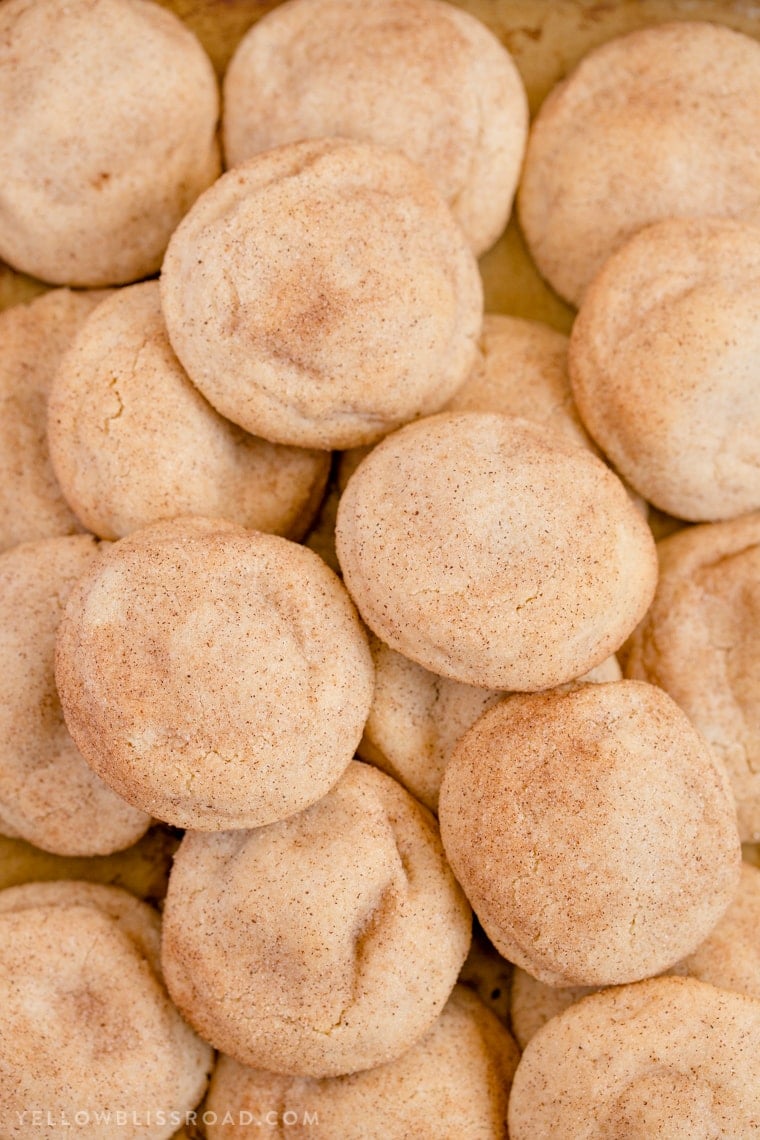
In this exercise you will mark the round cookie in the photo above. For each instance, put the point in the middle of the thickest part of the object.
(669, 1057)
(417, 717)
(304, 347)
(663, 365)
(132, 441)
(657, 124)
(33, 339)
(453, 1083)
(109, 111)
(493, 552)
(729, 958)
(72, 1043)
(608, 844)
(320, 945)
(418, 76)
(522, 371)
(48, 794)
(215, 677)
(697, 643)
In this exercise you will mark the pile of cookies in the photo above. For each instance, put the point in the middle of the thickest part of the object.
(308, 558)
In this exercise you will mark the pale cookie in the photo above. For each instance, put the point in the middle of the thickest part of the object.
(418, 76)
(33, 339)
(522, 371)
(657, 124)
(88, 1034)
(670, 1057)
(698, 643)
(322, 294)
(663, 364)
(729, 958)
(493, 552)
(133, 441)
(607, 845)
(321, 945)
(454, 1083)
(213, 676)
(417, 717)
(109, 111)
(48, 794)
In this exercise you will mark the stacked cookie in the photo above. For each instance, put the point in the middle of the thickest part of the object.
(205, 617)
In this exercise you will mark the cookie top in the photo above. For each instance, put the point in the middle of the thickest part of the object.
(213, 676)
(522, 371)
(608, 843)
(417, 717)
(657, 124)
(663, 365)
(697, 643)
(321, 945)
(100, 1046)
(454, 1082)
(133, 441)
(667, 1057)
(33, 339)
(417, 76)
(322, 294)
(492, 552)
(729, 958)
(131, 84)
(48, 794)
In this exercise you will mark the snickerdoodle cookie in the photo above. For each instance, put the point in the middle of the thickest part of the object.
(33, 339)
(48, 794)
(657, 124)
(729, 958)
(213, 676)
(417, 717)
(669, 1057)
(109, 111)
(323, 944)
(663, 364)
(133, 441)
(493, 552)
(454, 1083)
(418, 76)
(322, 294)
(698, 642)
(607, 842)
(88, 1034)
(522, 371)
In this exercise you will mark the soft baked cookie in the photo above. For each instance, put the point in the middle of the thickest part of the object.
(109, 111)
(660, 123)
(669, 1057)
(88, 1034)
(417, 717)
(48, 794)
(454, 1083)
(698, 643)
(33, 339)
(322, 294)
(663, 365)
(522, 371)
(418, 76)
(493, 552)
(133, 441)
(323, 944)
(729, 958)
(607, 844)
(213, 676)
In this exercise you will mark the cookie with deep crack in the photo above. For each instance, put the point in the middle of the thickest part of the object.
(322, 945)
